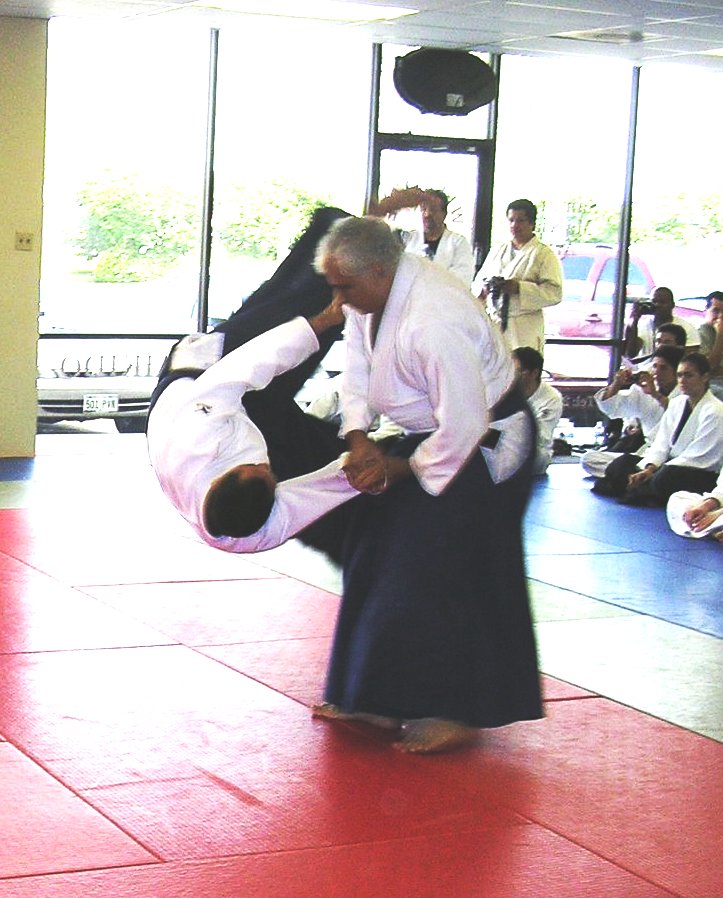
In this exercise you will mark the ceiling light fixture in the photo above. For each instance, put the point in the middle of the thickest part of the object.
(328, 10)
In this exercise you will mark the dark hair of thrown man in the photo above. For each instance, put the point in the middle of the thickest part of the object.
(236, 507)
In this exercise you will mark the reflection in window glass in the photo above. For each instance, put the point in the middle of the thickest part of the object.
(678, 208)
(291, 134)
(566, 152)
(125, 144)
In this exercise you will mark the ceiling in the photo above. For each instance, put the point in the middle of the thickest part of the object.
(638, 31)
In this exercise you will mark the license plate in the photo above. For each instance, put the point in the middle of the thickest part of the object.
(100, 403)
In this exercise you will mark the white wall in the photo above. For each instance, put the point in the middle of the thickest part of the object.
(23, 45)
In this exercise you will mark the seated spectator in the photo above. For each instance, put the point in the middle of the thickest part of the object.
(711, 340)
(640, 398)
(640, 334)
(696, 515)
(687, 451)
(670, 335)
(544, 400)
(665, 335)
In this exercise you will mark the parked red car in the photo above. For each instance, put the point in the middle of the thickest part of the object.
(588, 273)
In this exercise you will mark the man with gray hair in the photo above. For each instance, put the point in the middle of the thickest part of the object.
(434, 636)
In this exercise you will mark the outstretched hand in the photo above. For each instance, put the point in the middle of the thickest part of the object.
(331, 316)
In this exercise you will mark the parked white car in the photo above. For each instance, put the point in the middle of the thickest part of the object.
(98, 377)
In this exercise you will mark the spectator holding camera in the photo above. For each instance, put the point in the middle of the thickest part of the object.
(647, 317)
(640, 398)
(519, 279)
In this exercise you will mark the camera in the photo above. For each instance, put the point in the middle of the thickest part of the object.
(646, 308)
(494, 288)
(499, 299)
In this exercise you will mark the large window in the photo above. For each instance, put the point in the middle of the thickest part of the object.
(124, 176)
(562, 143)
(126, 161)
(678, 188)
(292, 123)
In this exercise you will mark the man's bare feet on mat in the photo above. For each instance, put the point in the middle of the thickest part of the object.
(431, 734)
(334, 712)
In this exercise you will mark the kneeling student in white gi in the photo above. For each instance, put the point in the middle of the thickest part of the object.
(544, 400)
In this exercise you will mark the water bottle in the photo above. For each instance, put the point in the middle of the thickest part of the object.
(599, 434)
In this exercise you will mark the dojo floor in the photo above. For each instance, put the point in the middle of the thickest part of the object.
(155, 737)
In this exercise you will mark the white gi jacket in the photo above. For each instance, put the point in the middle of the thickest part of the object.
(199, 429)
(700, 444)
(539, 271)
(438, 365)
(631, 403)
(453, 252)
(546, 404)
(635, 403)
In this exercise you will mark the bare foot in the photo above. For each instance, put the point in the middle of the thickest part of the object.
(430, 734)
(334, 712)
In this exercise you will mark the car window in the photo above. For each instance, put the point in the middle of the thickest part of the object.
(576, 268)
(607, 275)
(606, 282)
(636, 278)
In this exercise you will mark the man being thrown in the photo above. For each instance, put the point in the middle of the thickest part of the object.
(212, 461)
(235, 406)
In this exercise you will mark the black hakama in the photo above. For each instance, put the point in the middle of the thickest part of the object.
(435, 618)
